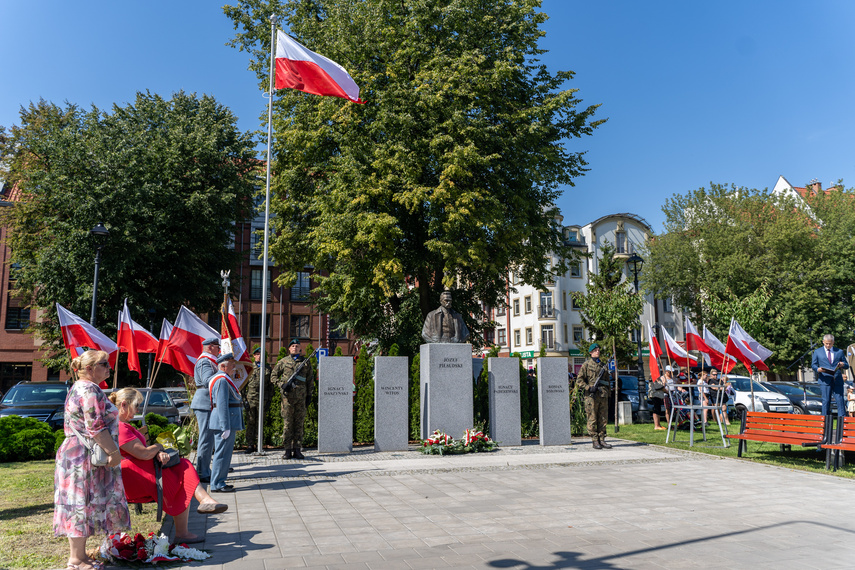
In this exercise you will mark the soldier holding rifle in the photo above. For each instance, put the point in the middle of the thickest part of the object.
(594, 380)
(293, 376)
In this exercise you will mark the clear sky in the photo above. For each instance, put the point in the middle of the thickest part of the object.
(729, 92)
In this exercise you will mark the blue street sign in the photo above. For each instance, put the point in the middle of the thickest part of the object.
(611, 365)
(323, 352)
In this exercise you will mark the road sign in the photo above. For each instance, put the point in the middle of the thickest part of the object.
(611, 364)
(323, 352)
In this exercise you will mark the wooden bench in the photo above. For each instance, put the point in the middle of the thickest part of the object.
(785, 429)
(844, 440)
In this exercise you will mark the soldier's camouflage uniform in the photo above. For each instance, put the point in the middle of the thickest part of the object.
(251, 396)
(596, 406)
(294, 402)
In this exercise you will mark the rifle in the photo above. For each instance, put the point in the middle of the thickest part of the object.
(593, 389)
(289, 385)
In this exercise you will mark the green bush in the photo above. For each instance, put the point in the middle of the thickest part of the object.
(155, 419)
(310, 426)
(415, 399)
(24, 439)
(59, 438)
(363, 419)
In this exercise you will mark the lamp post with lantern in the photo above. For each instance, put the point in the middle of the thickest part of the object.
(635, 263)
(100, 233)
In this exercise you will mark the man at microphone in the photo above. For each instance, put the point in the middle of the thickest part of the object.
(828, 364)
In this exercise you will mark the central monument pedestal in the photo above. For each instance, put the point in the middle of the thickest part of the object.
(445, 372)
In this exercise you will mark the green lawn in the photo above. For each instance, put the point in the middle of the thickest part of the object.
(26, 518)
(803, 458)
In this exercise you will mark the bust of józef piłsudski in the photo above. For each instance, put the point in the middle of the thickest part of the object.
(444, 324)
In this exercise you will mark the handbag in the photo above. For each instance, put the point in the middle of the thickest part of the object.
(97, 455)
(174, 457)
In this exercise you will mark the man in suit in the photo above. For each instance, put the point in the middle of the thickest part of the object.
(828, 364)
(206, 367)
(226, 420)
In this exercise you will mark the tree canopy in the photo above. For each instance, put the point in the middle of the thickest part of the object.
(446, 178)
(168, 178)
(783, 265)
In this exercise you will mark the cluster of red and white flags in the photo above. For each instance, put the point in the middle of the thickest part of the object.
(740, 347)
(179, 345)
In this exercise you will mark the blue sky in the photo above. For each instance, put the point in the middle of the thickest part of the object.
(729, 91)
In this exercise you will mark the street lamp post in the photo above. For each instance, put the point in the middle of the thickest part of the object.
(100, 233)
(635, 263)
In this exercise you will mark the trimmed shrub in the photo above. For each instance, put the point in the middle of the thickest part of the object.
(24, 439)
(363, 419)
(415, 399)
(59, 438)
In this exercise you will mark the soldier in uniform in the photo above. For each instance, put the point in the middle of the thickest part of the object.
(251, 396)
(295, 399)
(594, 380)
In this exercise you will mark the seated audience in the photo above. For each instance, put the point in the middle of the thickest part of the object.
(180, 482)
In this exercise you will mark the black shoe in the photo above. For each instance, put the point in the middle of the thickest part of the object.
(597, 444)
(204, 479)
(251, 449)
(288, 454)
(604, 444)
(231, 469)
(298, 455)
(226, 489)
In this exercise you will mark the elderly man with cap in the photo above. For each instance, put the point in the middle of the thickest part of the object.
(206, 367)
(226, 420)
(594, 380)
(295, 397)
(252, 398)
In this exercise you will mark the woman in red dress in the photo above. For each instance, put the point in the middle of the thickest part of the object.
(180, 482)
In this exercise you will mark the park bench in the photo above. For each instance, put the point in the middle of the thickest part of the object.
(785, 429)
(844, 440)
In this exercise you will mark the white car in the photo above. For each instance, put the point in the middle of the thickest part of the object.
(765, 400)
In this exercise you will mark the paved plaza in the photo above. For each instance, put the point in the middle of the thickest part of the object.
(529, 507)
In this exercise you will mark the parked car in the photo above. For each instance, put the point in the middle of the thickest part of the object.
(44, 401)
(628, 393)
(765, 399)
(179, 398)
(801, 405)
(158, 403)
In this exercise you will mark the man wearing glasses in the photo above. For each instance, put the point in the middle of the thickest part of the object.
(205, 369)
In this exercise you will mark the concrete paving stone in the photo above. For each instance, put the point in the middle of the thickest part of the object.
(337, 548)
(427, 563)
(323, 559)
(348, 566)
(366, 556)
(286, 562)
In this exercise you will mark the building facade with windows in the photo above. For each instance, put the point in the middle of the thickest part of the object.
(547, 319)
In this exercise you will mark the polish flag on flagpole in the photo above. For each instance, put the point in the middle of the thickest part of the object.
(185, 340)
(655, 353)
(78, 335)
(231, 333)
(126, 341)
(745, 349)
(677, 353)
(167, 355)
(297, 67)
(693, 339)
(716, 353)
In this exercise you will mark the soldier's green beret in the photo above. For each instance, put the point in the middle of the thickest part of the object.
(593, 347)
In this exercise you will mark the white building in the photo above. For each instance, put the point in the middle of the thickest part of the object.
(546, 318)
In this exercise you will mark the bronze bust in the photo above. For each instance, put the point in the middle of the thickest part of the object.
(444, 324)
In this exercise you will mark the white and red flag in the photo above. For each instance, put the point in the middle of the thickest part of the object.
(693, 339)
(133, 338)
(744, 348)
(655, 353)
(78, 335)
(231, 333)
(185, 340)
(715, 355)
(676, 352)
(297, 67)
(167, 355)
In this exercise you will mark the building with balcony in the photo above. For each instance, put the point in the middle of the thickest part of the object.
(546, 318)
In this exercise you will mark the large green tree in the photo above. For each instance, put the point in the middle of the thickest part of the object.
(783, 265)
(168, 178)
(446, 178)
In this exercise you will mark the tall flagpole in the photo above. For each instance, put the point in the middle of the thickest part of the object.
(264, 289)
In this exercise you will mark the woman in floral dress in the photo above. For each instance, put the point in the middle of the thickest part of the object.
(88, 500)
